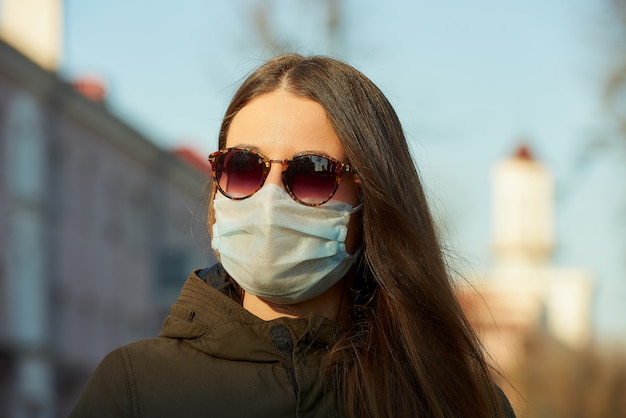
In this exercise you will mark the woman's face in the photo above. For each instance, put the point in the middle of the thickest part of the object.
(280, 125)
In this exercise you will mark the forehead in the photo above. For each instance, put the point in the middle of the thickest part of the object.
(280, 124)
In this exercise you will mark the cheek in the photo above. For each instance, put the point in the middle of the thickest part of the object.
(347, 191)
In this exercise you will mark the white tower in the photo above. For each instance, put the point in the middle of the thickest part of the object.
(523, 196)
(533, 293)
(34, 27)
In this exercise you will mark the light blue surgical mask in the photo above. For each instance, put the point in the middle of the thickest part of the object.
(281, 250)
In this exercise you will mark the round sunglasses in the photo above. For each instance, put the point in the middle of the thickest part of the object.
(310, 178)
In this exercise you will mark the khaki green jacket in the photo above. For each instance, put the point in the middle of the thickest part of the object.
(215, 359)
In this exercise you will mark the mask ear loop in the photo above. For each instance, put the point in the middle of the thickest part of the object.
(356, 209)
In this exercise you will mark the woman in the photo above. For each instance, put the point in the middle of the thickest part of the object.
(331, 297)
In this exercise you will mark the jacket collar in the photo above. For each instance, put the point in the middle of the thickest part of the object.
(209, 316)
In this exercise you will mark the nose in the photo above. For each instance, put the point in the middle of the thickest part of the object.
(275, 174)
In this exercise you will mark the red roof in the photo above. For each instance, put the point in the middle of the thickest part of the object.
(193, 159)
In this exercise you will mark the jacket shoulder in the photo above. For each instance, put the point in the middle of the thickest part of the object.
(110, 391)
(113, 390)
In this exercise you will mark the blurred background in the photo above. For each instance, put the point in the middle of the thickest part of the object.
(516, 117)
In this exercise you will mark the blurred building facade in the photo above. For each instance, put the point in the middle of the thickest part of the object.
(98, 230)
(523, 293)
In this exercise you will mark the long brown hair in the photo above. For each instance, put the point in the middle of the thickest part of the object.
(409, 351)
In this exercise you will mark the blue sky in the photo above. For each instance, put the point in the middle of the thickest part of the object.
(469, 80)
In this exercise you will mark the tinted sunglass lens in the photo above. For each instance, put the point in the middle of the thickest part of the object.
(241, 173)
(311, 178)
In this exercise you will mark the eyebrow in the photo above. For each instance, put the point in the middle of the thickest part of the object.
(317, 152)
(248, 146)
